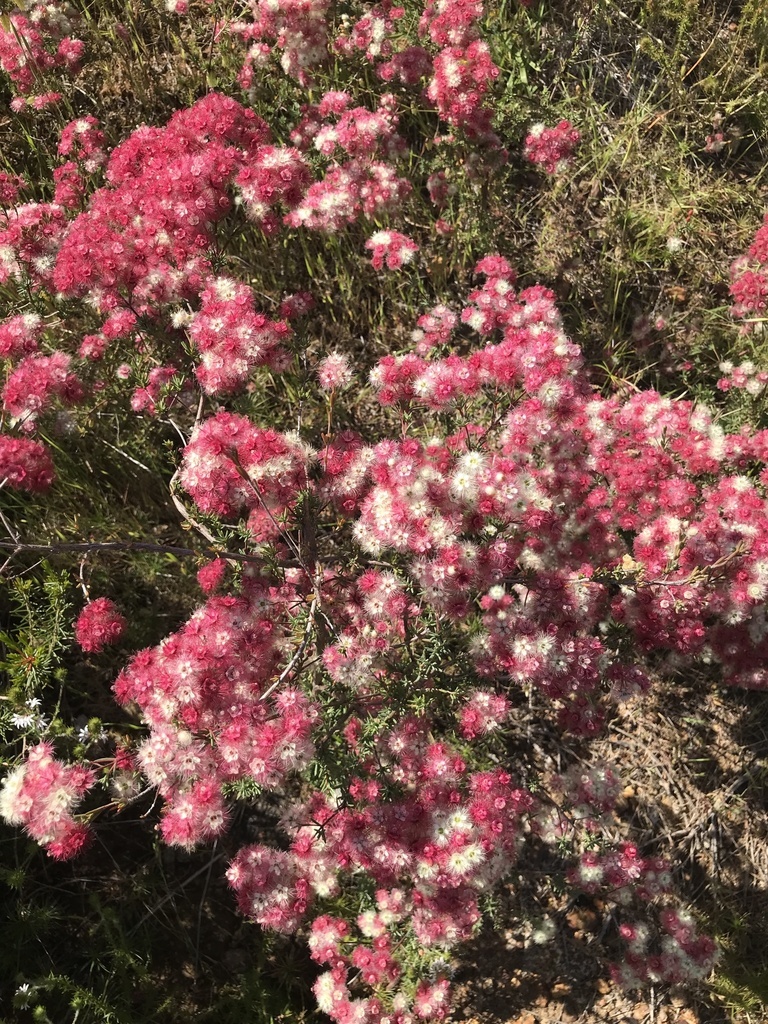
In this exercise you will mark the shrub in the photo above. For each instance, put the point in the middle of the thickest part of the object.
(395, 552)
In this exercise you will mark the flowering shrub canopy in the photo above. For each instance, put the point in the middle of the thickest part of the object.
(378, 595)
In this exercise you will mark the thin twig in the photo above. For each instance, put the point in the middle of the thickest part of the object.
(299, 651)
(200, 909)
(186, 514)
(171, 895)
(314, 577)
(126, 456)
(83, 584)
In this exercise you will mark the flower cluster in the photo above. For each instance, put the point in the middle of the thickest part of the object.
(745, 377)
(461, 79)
(434, 328)
(35, 383)
(371, 31)
(30, 236)
(99, 624)
(334, 372)
(749, 281)
(204, 694)
(366, 182)
(145, 234)
(519, 532)
(391, 248)
(161, 391)
(409, 66)
(349, 191)
(683, 954)
(232, 337)
(33, 44)
(10, 186)
(41, 794)
(83, 140)
(299, 28)
(25, 465)
(230, 465)
(463, 70)
(430, 853)
(483, 713)
(575, 486)
(275, 178)
(552, 148)
(358, 132)
(19, 335)
(622, 873)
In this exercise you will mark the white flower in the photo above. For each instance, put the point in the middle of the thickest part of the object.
(23, 996)
(23, 721)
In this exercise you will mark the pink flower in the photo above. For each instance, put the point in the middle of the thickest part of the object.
(552, 148)
(41, 795)
(211, 575)
(25, 465)
(334, 372)
(99, 624)
(392, 248)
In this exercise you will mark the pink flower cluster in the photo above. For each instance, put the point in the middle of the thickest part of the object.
(145, 234)
(683, 955)
(483, 713)
(70, 186)
(82, 140)
(334, 372)
(745, 377)
(535, 521)
(41, 794)
(211, 576)
(371, 31)
(392, 249)
(19, 335)
(358, 132)
(749, 281)
(40, 102)
(462, 77)
(230, 465)
(25, 465)
(98, 625)
(202, 692)
(408, 66)
(277, 177)
(10, 186)
(463, 70)
(160, 393)
(552, 148)
(434, 328)
(299, 28)
(370, 625)
(430, 852)
(622, 873)
(366, 183)
(347, 192)
(30, 236)
(35, 43)
(232, 337)
(33, 385)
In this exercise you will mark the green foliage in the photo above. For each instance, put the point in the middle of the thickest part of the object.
(39, 607)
